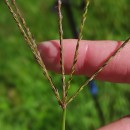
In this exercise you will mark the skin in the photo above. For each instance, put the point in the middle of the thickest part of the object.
(91, 56)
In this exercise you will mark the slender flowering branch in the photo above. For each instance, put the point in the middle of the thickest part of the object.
(31, 43)
(23, 22)
(77, 46)
(98, 71)
(61, 50)
(62, 66)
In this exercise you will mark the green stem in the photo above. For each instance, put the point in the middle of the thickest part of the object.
(63, 119)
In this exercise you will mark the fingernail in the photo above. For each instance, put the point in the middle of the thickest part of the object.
(48, 52)
(48, 46)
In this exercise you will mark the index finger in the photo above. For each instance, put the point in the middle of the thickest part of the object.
(91, 56)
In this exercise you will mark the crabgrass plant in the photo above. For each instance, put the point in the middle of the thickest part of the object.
(65, 99)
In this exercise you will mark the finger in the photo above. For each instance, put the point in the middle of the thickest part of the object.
(122, 124)
(92, 55)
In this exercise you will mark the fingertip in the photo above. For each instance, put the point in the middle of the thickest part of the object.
(50, 53)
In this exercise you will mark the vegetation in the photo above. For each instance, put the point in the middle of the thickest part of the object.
(26, 99)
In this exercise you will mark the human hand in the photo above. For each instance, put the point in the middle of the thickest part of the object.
(91, 56)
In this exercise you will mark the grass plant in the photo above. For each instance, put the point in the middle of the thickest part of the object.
(27, 35)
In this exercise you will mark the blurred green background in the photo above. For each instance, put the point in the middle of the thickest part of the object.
(26, 99)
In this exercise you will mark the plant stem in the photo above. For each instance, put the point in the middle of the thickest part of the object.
(63, 119)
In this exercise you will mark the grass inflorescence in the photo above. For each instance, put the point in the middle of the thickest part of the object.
(65, 100)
